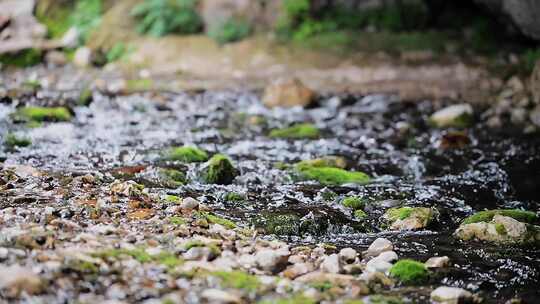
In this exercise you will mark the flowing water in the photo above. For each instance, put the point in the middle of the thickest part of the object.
(411, 163)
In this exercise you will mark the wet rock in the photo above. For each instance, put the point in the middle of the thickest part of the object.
(387, 256)
(501, 229)
(82, 57)
(521, 15)
(219, 170)
(331, 264)
(272, 260)
(220, 296)
(71, 38)
(297, 270)
(534, 116)
(450, 295)
(378, 246)
(15, 279)
(437, 262)
(348, 255)
(409, 218)
(189, 203)
(323, 277)
(56, 58)
(459, 116)
(287, 93)
(378, 265)
(3, 253)
(535, 83)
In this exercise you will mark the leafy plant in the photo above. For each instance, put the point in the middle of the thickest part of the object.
(86, 17)
(118, 52)
(230, 31)
(160, 17)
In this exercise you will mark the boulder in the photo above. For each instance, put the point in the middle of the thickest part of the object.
(501, 229)
(437, 262)
(378, 246)
(287, 93)
(524, 15)
(409, 218)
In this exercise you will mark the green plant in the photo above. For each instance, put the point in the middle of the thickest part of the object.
(160, 17)
(117, 52)
(187, 154)
(487, 216)
(86, 17)
(353, 202)
(231, 30)
(409, 271)
(22, 59)
(297, 131)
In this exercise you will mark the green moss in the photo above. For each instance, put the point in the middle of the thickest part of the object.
(230, 31)
(142, 84)
(214, 249)
(297, 131)
(500, 229)
(175, 177)
(117, 52)
(177, 220)
(409, 271)
(214, 219)
(12, 141)
(86, 17)
(360, 214)
(187, 154)
(160, 17)
(85, 97)
(168, 260)
(219, 170)
(353, 202)
(85, 267)
(22, 59)
(294, 299)
(234, 197)
(56, 17)
(322, 286)
(487, 216)
(40, 114)
(326, 161)
(138, 254)
(279, 224)
(238, 279)
(32, 84)
(330, 175)
(328, 195)
(173, 199)
(394, 214)
(380, 299)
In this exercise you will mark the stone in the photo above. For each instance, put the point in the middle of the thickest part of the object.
(3, 253)
(409, 218)
(450, 295)
(323, 277)
(272, 260)
(378, 265)
(501, 229)
(287, 93)
(189, 203)
(348, 255)
(82, 57)
(387, 256)
(56, 58)
(331, 264)
(378, 246)
(297, 270)
(437, 262)
(71, 38)
(521, 15)
(220, 296)
(534, 83)
(16, 279)
(459, 115)
(534, 116)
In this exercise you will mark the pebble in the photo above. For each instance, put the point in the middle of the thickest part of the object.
(348, 255)
(437, 262)
(271, 260)
(450, 295)
(219, 296)
(189, 203)
(378, 265)
(3, 253)
(16, 279)
(331, 264)
(378, 246)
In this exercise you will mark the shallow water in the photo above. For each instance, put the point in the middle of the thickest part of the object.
(496, 169)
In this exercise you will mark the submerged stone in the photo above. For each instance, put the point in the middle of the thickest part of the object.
(297, 131)
(459, 116)
(41, 114)
(329, 175)
(187, 154)
(219, 170)
(409, 218)
(409, 271)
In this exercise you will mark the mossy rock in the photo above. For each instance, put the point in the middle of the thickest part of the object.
(238, 280)
(487, 216)
(410, 271)
(353, 202)
(294, 299)
(11, 141)
(360, 214)
(279, 224)
(173, 177)
(219, 170)
(214, 219)
(234, 197)
(409, 218)
(330, 175)
(325, 161)
(22, 59)
(297, 131)
(457, 116)
(187, 154)
(41, 114)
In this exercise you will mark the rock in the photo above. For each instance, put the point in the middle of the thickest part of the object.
(189, 203)
(387, 256)
(71, 38)
(378, 246)
(450, 295)
(459, 116)
(82, 57)
(534, 82)
(197, 253)
(331, 264)
(521, 15)
(272, 260)
(378, 265)
(56, 58)
(16, 279)
(219, 170)
(437, 262)
(501, 229)
(297, 270)
(348, 255)
(220, 296)
(287, 93)
(534, 116)
(409, 218)
(3, 253)
(409, 271)
(323, 277)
